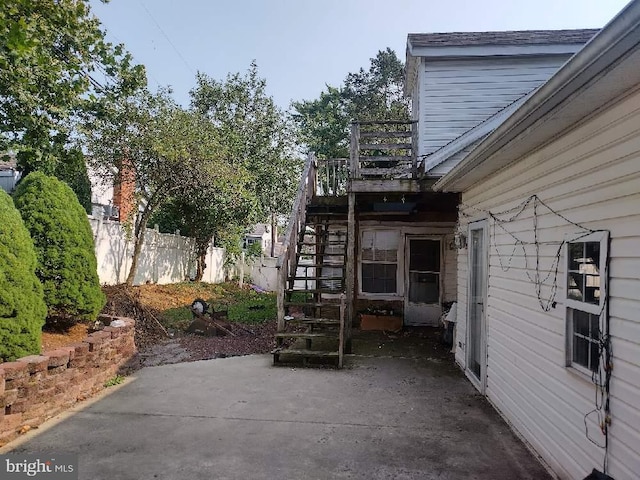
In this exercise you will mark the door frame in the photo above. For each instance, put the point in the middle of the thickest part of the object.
(407, 261)
(479, 383)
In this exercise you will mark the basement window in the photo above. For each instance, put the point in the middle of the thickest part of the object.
(379, 264)
(586, 293)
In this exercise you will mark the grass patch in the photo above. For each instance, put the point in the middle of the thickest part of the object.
(243, 305)
(112, 382)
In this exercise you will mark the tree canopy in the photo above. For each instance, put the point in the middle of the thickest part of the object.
(322, 125)
(167, 151)
(56, 71)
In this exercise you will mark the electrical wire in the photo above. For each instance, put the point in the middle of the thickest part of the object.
(167, 38)
(601, 376)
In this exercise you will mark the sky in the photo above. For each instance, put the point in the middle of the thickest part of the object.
(302, 45)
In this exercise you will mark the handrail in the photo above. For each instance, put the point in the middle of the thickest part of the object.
(287, 258)
(304, 182)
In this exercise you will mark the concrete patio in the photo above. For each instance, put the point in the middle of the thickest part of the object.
(408, 414)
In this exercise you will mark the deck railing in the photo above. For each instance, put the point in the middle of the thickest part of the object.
(332, 177)
(383, 150)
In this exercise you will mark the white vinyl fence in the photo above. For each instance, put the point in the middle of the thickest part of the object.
(167, 258)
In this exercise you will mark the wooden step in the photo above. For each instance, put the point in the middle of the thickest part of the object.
(318, 244)
(315, 290)
(404, 134)
(321, 265)
(327, 322)
(304, 353)
(386, 158)
(318, 278)
(304, 335)
(323, 254)
(385, 146)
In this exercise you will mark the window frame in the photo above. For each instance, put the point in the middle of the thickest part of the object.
(572, 305)
(603, 239)
(362, 262)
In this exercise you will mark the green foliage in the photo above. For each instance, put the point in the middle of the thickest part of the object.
(322, 125)
(257, 135)
(254, 250)
(72, 170)
(174, 153)
(22, 308)
(54, 65)
(113, 381)
(243, 305)
(64, 246)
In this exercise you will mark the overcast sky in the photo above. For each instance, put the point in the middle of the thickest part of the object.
(301, 45)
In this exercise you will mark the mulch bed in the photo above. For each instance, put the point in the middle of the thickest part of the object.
(150, 335)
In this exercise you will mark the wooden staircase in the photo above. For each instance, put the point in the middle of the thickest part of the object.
(313, 329)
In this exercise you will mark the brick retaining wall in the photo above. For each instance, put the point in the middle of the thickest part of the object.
(37, 387)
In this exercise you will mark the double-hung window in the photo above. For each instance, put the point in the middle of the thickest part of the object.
(380, 261)
(586, 294)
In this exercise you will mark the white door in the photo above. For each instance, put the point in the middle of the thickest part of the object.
(476, 319)
(423, 281)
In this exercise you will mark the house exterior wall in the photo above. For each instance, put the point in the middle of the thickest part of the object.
(591, 176)
(458, 94)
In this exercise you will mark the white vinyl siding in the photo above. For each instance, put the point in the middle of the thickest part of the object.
(591, 176)
(457, 95)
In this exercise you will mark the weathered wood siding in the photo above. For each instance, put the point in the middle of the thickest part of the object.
(456, 95)
(591, 176)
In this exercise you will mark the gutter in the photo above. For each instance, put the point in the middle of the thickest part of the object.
(618, 37)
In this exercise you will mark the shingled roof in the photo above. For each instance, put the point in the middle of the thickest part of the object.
(519, 37)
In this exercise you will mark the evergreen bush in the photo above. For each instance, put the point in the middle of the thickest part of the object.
(64, 246)
(22, 307)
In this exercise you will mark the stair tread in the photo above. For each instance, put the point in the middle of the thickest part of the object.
(305, 353)
(319, 265)
(303, 335)
(317, 321)
(320, 278)
(324, 254)
(314, 290)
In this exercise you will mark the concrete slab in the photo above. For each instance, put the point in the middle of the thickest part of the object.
(241, 418)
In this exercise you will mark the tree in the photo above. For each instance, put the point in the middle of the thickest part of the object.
(322, 125)
(72, 169)
(221, 214)
(257, 135)
(165, 150)
(63, 240)
(55, 68)
(22, 307)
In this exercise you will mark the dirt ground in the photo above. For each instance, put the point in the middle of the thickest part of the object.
(160, 338)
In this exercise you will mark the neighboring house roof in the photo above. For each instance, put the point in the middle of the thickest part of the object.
(602, 71)
(259, 230)
(10, 164)
(515, 37)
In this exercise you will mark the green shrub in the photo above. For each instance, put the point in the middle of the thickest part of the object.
(22, 307)
(63, 240)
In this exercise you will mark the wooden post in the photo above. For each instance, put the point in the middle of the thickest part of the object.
(241, 282)
(351, 269)
(341, 334)
(282, 285)
(354, 167)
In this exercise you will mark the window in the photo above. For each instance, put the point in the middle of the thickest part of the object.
(379, 261)
(586, 293)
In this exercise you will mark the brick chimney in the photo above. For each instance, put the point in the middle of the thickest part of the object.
(124, 189)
